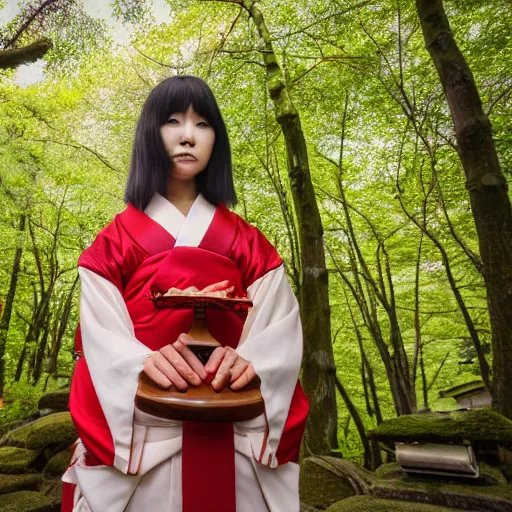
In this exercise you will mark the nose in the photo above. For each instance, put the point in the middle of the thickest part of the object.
(187, 135)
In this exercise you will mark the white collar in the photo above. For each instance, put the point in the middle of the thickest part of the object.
(187, 230)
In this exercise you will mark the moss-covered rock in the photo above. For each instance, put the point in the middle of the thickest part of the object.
(57, 464)
(52, 487)
(469, 496)
(11, 425)
(391, 470)
(16, 436)
(57, 401)
(308, 508)
(371, 504)
(55, 429)
(484, 424)
(491, 475)
(16, 460)
(506, 469)
(51, 451)
(325, 480)
(28, 501)
(12, 483)
(52, 430)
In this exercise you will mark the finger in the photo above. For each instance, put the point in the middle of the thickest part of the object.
(238, 368)
(244, 379)
(170, 372)
(180, 365)
(156, 375)
(215, 359)
(223, 373)
(192, 360)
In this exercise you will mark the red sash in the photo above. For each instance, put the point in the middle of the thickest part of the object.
(208, 467)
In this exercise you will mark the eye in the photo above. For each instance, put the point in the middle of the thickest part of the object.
(171, 120)
(204, 124)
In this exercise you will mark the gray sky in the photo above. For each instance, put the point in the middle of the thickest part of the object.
(33, 73)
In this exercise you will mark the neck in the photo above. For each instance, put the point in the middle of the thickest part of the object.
(182, 194)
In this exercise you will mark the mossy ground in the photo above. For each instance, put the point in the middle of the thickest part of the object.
(468, 496)
(323, 477)
(28, 501)
(371, 504)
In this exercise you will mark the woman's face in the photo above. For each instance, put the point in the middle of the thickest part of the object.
(187, 132)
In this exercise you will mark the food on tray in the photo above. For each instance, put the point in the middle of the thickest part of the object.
(221, 289)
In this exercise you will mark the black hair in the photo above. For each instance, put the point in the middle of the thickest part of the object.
(150, 162)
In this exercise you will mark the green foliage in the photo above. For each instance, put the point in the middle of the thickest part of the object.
(20, 400)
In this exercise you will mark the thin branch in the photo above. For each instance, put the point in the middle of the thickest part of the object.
(168, 66)
(79, 146)
(498, 98)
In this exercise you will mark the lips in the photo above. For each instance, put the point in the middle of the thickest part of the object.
(185, 156)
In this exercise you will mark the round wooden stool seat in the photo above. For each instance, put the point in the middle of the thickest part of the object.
(200, 403)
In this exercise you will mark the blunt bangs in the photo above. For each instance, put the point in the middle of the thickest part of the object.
(150, 162)
(178, 95)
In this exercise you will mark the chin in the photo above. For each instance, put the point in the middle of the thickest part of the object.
(184, 175)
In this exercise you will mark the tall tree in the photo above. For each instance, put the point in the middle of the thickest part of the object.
(318, 375)
(486, 184)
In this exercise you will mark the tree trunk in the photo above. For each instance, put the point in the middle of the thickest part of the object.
(60, 328)
(40, 352)
(366, 371)
(487, 188)
(21, 361)
(10, 59)
(318, 375)
(368, 463)
(9, 301)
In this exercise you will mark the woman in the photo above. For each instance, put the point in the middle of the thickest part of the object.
(178, 232)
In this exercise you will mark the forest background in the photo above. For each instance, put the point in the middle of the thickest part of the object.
(383, 245)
